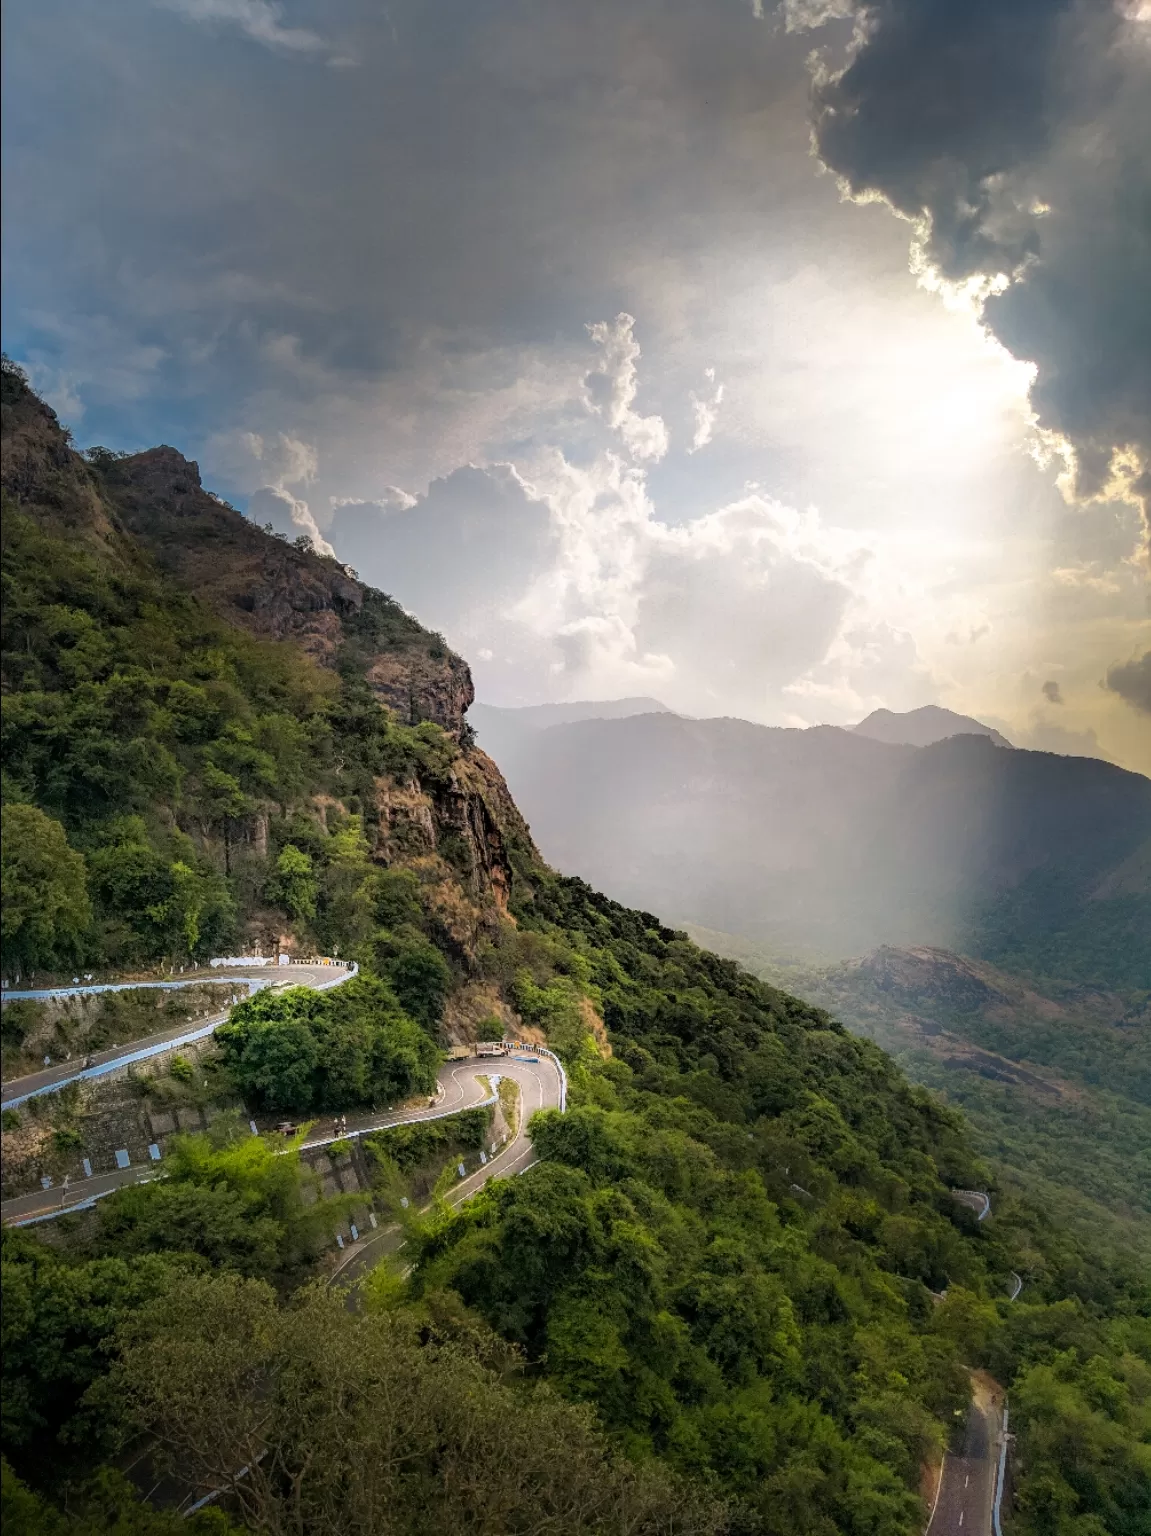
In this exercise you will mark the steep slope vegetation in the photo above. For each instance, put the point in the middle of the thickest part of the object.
(735, 1293)
(184, 757)
(1055, 1082)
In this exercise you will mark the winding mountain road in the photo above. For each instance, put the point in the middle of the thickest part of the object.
(967, 1482)
(460, 1086)
(541, 1084)
(19, 1089)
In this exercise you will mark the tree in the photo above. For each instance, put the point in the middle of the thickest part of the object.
(45, 889)
(163, 906)
(308, 1051)
(57, 1319)
(107, 1505)
(293, 885)
(274, 1060)
(421, 979)
(346, 905)
(243, 1205)
(320, 1420)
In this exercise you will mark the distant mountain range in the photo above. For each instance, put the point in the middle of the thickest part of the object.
(924, 727)
(828, 842)
(503, 732)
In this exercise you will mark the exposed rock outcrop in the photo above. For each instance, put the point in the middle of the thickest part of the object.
(283, 592)
(457, 828)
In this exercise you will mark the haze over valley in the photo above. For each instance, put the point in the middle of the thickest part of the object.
(825, 842)
(576, 807)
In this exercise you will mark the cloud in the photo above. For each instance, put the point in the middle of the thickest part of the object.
(568, 581)
(288, 515)
(613, 384)
(460, 556)
(287, 460)
(705, 410)
(1052, 692)
(276, 463)
(391, 499)
(393, 265)
(1131, 680)
(256, 19)
(1014, 137)
(557, 575)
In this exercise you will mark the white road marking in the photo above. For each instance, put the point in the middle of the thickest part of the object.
(517, 1157)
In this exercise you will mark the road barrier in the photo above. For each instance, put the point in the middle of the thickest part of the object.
(492, 1050)
(130, 1058)
(1000, 1475)
(417, 1119)
(964, 1195)
(506, 1047)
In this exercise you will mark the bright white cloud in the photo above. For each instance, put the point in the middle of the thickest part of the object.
(256, 19)
(277, 463)
(548, 562)
(560, 569)
(705, 410)
(613, 384)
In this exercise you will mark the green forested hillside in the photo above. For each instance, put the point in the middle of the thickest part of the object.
(735, 1293)
(1054, 1079)
(162, 740)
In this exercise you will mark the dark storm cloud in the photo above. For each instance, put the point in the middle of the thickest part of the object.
(259, 218)
(1131, 680)
(1017, 133)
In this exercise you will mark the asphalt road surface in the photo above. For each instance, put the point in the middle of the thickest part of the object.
(460, 1087)
(967, 1489)
(539, 1085)
(62, 1072)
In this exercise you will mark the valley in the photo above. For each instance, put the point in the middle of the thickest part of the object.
(745, 1268)
(1056, 1088)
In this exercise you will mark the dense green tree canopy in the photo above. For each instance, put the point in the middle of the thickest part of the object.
(353, 1424)
(45, 896)
(308, 1052)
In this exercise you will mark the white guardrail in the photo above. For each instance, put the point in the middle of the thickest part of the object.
(130, 1058)
(492, 1050)
(1000, 1476)
(497, 1048)
(968, 1195)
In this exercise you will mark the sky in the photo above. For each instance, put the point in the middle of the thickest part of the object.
(775, 360)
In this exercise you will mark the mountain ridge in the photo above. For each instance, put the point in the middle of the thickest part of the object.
(274, 589)
(825, 839)
(923, 727)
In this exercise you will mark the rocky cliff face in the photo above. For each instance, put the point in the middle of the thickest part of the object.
(282, 592)
(458, 829)
(926, 977)
(41, 471)
(270, 587)
(460, 835)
